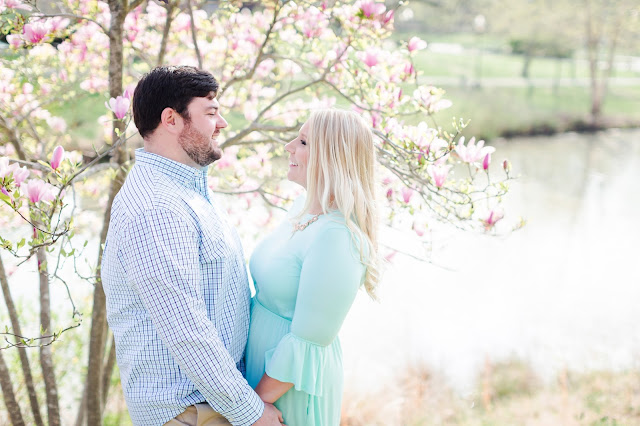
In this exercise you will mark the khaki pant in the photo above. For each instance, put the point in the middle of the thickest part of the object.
(198, 415)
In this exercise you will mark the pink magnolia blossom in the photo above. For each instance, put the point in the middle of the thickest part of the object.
(39, 190)
(407, 193)
(472, 152)
(57, 157)
(58, 23)
(494, 216)
(5, 168)
(57, 124)
(416, 43)
(438, 173)
(20, 175)
(265, 67)
(388, 17)
(15, 41)
(375, 119)
(409, 70)
(4, 191)
(430, 98)
(486, 161)
(16, 4)
(389, 194)
(370, 9)
(128, 92)
(36, 32)
(119, 106)
(389, 256)
(419, 227)
(370, 58)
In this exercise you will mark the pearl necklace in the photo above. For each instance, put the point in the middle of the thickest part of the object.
(301, 226)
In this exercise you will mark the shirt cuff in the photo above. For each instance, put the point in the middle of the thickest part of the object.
(246, 413)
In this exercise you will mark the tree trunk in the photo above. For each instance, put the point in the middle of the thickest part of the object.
(22, 352)
(9, 396)
(165, 33)
(592, 51)
(46, 356)
(83, 406)
(108, 370)
(98, 316)
(525, 66)
(611, 55)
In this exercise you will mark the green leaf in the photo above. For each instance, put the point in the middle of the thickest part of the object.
(47, 165)
(6, 199)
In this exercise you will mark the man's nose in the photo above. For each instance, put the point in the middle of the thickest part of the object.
(222, 123)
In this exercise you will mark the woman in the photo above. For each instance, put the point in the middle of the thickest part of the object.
(307, 272)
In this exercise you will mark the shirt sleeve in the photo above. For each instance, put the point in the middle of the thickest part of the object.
(329, 280)
(162, 259)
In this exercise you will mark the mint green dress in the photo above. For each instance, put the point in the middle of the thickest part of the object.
(305, 284)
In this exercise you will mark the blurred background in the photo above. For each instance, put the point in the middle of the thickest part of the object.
(540, 326)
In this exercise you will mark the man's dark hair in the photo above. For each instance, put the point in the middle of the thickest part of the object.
(172, 87)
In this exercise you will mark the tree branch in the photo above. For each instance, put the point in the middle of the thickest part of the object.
(193, 34)
(70, 15)
(170, 6)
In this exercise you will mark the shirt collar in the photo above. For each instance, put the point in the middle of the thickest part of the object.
(186, 175)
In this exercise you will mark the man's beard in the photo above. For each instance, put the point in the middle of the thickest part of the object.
(198, 146)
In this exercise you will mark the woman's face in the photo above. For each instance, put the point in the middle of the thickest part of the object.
(298, 157)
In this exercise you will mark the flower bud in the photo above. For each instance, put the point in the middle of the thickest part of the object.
(486, 161)
(57, 157)
(506, 165)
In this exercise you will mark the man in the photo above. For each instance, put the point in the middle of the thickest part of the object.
(173, 269)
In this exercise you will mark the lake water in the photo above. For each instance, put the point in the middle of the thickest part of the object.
(564, 291)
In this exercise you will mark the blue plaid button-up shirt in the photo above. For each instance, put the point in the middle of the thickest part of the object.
(178, 296)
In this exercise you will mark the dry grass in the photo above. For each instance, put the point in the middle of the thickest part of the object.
(508, 394)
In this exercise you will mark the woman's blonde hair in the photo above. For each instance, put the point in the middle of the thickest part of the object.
(341, 176)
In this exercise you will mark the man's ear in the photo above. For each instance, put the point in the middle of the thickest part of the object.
(171, 121)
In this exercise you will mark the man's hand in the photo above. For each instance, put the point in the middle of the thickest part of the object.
(270, 417)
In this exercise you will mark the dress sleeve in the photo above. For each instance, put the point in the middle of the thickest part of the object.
(329, 280)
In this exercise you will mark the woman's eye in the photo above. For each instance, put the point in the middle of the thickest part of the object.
(303, 142)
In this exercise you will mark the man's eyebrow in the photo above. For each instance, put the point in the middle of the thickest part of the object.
(216, 107)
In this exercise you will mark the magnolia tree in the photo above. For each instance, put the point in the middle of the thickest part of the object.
(275, 63)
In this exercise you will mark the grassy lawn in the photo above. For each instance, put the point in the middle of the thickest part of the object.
(499, 65)
(494, 110)
(509, 394)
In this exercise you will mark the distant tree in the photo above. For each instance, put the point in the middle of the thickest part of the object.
(557, 28)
